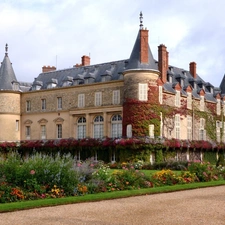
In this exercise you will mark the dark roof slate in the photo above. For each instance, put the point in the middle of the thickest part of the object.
(134, 61)
(7, 75)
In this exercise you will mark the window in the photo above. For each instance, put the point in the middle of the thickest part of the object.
(43, 104)
(98, 98)
(59, 103)
(116, 97)
(160, 95)
(116, 128)
(28, 106)
(202, 132)
(129, 131)
(177, 126)
(189, 127)
(27, 134)
(189, 101)
(81, 128)
(43, 132)
(98, 127)
(81, 100)
(218, 126)
(218, 107)
(151, 131)
(202, 103)
(177, 99)
(17, 125)
(59, 130)
(143, 92)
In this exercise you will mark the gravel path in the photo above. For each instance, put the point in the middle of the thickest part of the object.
(199, 206)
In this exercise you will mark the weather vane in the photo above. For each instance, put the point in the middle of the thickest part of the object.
(141, 20)
(6, 49)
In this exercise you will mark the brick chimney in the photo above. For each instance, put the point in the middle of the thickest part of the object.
(193, 69)
(143, 46)
(85, 61)
(163, 62)
(46, 69)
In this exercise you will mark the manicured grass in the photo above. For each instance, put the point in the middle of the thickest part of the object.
(7, 207)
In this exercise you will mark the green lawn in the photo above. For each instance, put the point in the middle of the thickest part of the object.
(7, 207)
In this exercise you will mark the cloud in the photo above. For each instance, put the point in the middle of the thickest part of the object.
(54, 32)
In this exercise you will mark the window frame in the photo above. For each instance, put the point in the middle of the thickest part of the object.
(59, 103)
(98, 98)
(142, 91)
(116, 97)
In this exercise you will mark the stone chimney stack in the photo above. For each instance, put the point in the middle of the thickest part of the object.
(144, 46)
(163, 62)
(193, 69)
(46, 69)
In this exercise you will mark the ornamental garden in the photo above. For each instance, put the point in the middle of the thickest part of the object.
(57, 169)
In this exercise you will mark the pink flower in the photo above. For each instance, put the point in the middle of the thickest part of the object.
(32, 172)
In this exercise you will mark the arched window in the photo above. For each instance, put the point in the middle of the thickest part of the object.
(116, 126)
(81, 128)
(98, 127)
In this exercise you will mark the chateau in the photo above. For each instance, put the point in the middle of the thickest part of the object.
(137, 96)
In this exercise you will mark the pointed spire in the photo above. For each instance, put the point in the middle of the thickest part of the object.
(141, 20)
(6, 49)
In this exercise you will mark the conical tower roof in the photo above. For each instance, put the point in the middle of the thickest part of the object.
(141, 56)
(7, 75)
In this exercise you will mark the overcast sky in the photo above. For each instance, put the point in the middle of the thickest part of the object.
(59, 32)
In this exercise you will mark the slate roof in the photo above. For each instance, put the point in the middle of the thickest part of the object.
(7, 75)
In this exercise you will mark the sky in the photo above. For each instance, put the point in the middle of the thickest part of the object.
(59, 32)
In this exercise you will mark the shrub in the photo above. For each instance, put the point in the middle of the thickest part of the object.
(203, 171)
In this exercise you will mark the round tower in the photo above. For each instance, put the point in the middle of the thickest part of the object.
(140, 89)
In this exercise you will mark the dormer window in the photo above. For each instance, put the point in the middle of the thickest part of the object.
(170, 79)
(67, 83)
(195, 86)
(16, 86)
(181, 82)
(53, 83)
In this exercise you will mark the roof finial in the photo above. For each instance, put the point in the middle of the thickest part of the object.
(141, 20)
(6, 49)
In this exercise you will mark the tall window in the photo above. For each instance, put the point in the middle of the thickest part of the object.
(160, 95)
(81, 100)
(116, 97)
(17, 125)
(151, 131)
(81, 128)
(202, 132)
(218, 107)
(189, 101)
(143, 92)
(116, 128)
(98, 98)
(177, 99)
(189, 127)
(59, 103)
(28, 106)
(129, 131)
(59, 130)
(202, 103)
(218, 126)
(43, 132)
(98, 127)
(43, 104)
(177, 126)
(27, 132)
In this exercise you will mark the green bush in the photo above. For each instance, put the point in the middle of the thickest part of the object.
(203, 171)
(40, 172)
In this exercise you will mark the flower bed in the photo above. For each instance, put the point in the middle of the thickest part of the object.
(42, 176)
